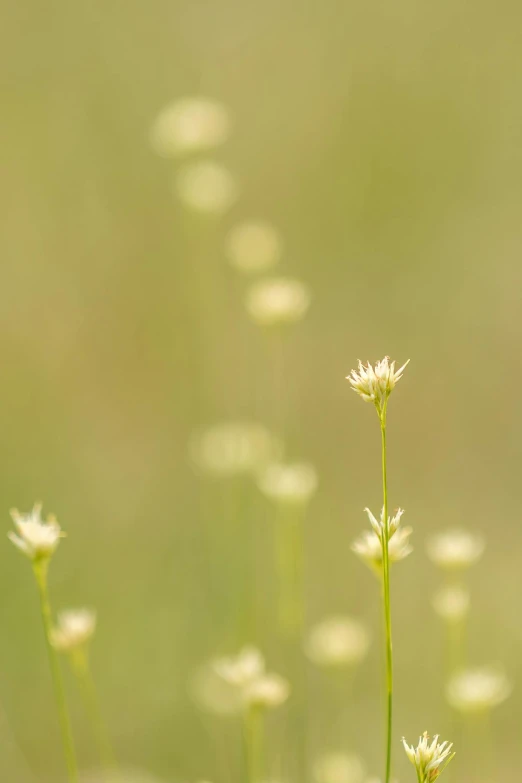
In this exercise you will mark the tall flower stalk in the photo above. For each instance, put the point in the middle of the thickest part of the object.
(386, 542)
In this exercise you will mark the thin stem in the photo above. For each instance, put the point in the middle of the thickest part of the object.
(89, 693)
(40, 571)
(254, 743)
(386, 594)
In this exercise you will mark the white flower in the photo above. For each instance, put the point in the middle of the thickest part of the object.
(190, 125)
(338, 767)
(33, 537)
(277, 300)
(243, 669)
(269, 690)
(378, 524)
(74, 629)
(233, 448)
(337, 641)
(253, 247)
(429, 759)
(451, 603)
(455, 549)
(292, 483)
(207, 187)
(369, 545)
(375, 383)
(478, 690)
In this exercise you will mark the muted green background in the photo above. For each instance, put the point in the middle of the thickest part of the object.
(384, 140)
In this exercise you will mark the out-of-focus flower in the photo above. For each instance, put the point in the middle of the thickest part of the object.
(232, 448)
(213, 694)
(269, 690)
(242, 669)
(253, 247)
(375, 383)
(369, 545)
(277, 300)
(451, 603)
(190, 125)
(206, 186)
(290, 483)
(429, 759)
(35, 538)
(478, 689)
(74, 628)
(337, 641)
(339, 767)
(455, 549)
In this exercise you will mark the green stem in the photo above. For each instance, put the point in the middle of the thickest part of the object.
(89, 693)
(40, 568)
(387, 608)
(254, 743)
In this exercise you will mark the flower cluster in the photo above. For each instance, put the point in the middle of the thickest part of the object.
(429, 759)
(370, 544)
(246, 672)
(34, 537)
(375, 383)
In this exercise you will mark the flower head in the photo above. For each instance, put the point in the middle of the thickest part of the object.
(429, 759)
(291, 483)
(190, 125)
(246, 672)
(253, 247)
(375, 383)
(451, 603)
(337, 641)
(35, 538)
(74, 628)
(478, 690)
(455, 549)
(206, 187)
(276, 301)
(370, 544)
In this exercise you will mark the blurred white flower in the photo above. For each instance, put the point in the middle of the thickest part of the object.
(213, 694)
(375, 383)
(292, 483)
(455, 549)
(429, 759)
(35, 538)
(451, 603)
(233, 448)
(242, 669)
(337, 641)
(207, 187)
(478, 689)
(190, 125)
(74, 629)
(268, 690)
(277, 300)
(339, 767)
(253, 246)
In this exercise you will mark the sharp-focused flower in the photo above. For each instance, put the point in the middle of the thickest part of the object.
(455, 549)
(233, 448)
(253, 247)
(375, 383)
(429, 759)
(269, 690)
(370, 544)
(190, 125)
(451, 603)
(277, 301)
(338, 767)
(207, 187)
(337, 641)
(478, 689)
(379, 524)
(74, 628)
(291, 483)
(34, 537)
(242, 669)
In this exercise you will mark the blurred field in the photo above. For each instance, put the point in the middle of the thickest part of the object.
(384, 141)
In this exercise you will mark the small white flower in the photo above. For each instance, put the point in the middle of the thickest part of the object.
(378, 525)
(269, 690)
(74, 628)
(451, 603)
(338, 767)
(33, 537)
(478, 690)
(369, 546)
(242, 669)
(429, 759)
(206, 187)
(455, 549)
(277, 301)
(190, 125)
(291, 483)
(233, 448)
(375, 383)
(253, 247)
(337, 641)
